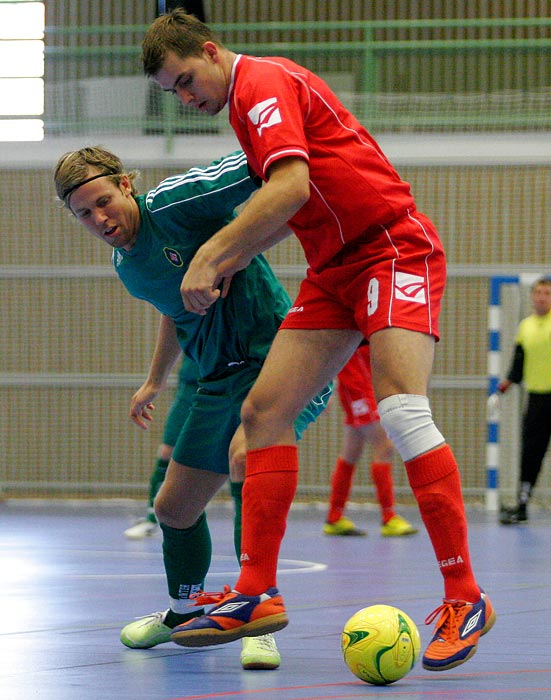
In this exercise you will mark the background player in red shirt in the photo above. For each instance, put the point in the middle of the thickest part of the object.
(362, 427)
(376, 271)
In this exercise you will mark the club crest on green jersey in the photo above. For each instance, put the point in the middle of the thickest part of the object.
(173, 257)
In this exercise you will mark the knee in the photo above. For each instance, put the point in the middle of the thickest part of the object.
(407, 420)
(267, 421)
(176, 515)
(163, 512)
(249, 413)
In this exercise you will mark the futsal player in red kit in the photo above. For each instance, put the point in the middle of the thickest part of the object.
(376, 270)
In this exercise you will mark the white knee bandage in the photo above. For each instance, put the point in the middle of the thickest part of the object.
(407, 420)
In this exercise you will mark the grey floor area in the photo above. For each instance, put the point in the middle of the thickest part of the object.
(70, 581)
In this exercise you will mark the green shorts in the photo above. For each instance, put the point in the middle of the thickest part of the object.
(213, 416)
(187, 387)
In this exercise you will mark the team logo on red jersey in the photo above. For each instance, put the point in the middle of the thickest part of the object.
(265, 114)
(410, 288)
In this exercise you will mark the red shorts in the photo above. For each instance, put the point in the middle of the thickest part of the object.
(395, 277)
(356, 391)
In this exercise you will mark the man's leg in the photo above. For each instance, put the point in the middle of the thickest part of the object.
(179, 410)
(392, 524)
(299, 365)
(187, 549)
(401, 365)
(536, 432)
(381, 471)
(257, 653)
(341, 482)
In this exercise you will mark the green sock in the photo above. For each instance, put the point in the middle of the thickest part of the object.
(236, 490)
(157, 478)
(187, 555)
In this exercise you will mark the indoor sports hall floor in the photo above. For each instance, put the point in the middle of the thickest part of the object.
(70, 581)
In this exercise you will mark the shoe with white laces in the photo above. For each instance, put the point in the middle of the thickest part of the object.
(260, 653)
(146, 632)
(141, 528)
(233, 616)
(457, 632)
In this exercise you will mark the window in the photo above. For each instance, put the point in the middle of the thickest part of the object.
(21, 70)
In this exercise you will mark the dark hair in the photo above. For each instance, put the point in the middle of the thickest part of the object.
(176, 31)
(544, 279)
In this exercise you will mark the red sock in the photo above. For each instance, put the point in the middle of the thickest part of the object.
(271, 479)
(381, 475)
(341, 485)
(434, 478)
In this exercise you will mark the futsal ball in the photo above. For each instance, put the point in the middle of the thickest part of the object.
(380, 644)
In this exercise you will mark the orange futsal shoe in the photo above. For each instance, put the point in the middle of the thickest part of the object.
(234, 616)
(457, 632)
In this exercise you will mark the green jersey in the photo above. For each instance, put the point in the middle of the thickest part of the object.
(177, 217)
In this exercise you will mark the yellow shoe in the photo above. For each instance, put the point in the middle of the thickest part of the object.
(146, 632)
(344, 528)
(260, 653)
(397, 527)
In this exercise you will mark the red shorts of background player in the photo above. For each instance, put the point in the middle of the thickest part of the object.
(394, 277)
(356, 390)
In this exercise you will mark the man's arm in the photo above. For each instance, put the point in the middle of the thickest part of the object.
(229, 267)
(167, 351)
(516, 370)
(261, 224)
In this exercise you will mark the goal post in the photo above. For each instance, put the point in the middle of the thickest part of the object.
(494, 376)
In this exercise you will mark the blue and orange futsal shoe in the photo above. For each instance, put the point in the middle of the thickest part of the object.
(234, 616)
(457, 632)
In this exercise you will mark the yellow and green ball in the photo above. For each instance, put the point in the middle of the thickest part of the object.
(380, 644)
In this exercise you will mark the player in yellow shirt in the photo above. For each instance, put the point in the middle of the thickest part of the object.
(531, 365)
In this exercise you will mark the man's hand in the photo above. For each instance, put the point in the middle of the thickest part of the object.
(141, 405)
(504, 385)
(199, 287)
(260, 225)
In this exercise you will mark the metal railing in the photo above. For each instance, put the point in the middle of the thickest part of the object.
(468, 74)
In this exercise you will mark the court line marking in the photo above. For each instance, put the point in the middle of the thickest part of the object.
(303, 567)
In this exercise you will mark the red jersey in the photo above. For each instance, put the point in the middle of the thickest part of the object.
(280, 109)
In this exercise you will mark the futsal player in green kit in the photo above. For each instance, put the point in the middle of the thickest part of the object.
(154, 237)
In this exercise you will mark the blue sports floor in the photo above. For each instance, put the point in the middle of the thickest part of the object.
(70, 581)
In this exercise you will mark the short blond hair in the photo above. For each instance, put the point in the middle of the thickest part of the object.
(176, 31)
(72, 170)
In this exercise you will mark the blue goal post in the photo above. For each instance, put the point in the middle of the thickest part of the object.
(494, 377)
